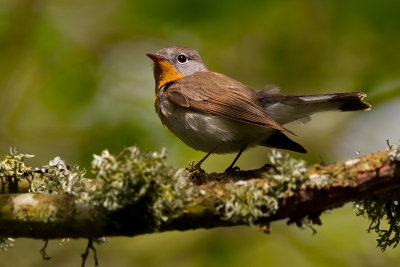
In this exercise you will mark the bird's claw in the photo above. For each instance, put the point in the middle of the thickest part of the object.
(196, 174)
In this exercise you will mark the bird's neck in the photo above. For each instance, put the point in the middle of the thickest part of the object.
(165, 73)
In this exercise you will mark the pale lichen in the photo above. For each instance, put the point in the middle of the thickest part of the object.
(248, 201)
(394, 152)
(170, 197)
(319, 180)
(6, 243)
(13, 170)
(286, 173)
(22, 201)
(59, 178)
(132, 176)
(351, 162)
(384, 215)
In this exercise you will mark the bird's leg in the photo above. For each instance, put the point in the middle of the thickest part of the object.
(198, 164)
(231, 168)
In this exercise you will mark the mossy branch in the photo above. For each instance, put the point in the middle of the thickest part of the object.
(136, 193)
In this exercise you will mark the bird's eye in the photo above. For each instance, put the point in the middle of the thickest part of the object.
(182, 59)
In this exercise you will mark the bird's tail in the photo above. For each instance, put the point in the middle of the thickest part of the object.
(287, 108)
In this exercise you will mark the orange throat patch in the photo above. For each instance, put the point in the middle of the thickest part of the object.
(165, 73)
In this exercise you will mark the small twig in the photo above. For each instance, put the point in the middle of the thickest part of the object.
(321, 161)
(43, 250)
(86, 254)
(390, 146)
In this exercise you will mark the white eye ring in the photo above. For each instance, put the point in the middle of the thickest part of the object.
(182, 58)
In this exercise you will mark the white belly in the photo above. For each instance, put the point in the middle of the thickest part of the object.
(203, 131)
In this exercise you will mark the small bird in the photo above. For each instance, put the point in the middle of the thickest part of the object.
(214, 113)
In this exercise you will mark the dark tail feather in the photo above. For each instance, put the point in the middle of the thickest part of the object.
(351, 101)
(281, 141)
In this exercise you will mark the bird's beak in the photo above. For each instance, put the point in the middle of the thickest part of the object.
(156, 58)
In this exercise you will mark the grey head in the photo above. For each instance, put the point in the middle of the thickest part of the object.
(185, 60)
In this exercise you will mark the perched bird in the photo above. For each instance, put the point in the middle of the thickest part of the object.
(214, 113)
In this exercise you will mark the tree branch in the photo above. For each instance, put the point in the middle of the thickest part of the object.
(158, 198)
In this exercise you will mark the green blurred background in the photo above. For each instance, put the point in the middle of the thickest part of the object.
(74, 80)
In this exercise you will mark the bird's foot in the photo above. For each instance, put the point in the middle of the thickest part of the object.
(196, 174)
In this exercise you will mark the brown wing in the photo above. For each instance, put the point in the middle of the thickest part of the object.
(218, 94)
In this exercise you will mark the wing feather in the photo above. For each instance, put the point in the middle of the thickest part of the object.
(218, 94)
